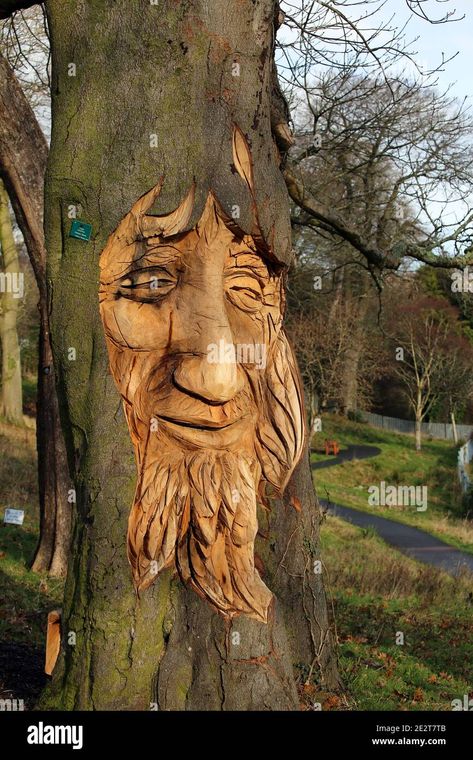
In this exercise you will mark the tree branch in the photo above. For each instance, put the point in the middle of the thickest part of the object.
(378, 259)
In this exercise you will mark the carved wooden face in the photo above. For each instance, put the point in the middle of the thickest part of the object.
(192, 312)
(193, 323)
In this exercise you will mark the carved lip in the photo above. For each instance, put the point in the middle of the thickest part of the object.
(204, 425)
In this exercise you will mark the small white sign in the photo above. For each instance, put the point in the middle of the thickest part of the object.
(14, 516)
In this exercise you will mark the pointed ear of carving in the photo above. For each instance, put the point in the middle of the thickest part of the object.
(129, 227)
(144, 203)
(242, 157)
(170, 224)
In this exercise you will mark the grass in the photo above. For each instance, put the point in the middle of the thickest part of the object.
(29, 388)
(26, 597)
(398, 464)
(377, 594)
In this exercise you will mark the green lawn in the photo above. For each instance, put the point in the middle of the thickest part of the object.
(375, 592)
(26, 597)
(398, 464)
(378, 593)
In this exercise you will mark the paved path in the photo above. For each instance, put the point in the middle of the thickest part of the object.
(351, 452)
(414, 542)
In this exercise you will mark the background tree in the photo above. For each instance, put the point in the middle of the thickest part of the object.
(435, 359)
(23, 154)
(388, 166)
(379, 161)
(322, 321)
(11, 402)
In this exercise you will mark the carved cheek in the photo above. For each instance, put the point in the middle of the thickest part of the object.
(258, 327)
(139, 326)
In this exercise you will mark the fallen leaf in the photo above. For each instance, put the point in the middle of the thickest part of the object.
(418, 695)
(308, 688)
(331, 703)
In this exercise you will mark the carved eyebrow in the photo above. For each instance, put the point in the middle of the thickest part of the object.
(158, 255)
(249, 260)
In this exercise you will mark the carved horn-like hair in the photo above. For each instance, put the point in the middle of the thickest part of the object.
(169, 224)
(242, 158)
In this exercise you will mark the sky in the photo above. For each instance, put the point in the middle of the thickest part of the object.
(432, 39)
(444, 38)
(429, 44)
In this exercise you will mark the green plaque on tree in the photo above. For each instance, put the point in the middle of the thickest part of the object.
(80, 230)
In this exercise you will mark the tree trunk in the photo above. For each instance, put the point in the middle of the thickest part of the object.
(356, 287)
(454, 429)
(52, 552)
(176, 95)
(418, 433)
(314, 412)
(23, 155)
(11, 402)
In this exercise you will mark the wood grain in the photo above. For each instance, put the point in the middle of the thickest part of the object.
(209, 433)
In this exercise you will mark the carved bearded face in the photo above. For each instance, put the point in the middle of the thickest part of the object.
(211, 392)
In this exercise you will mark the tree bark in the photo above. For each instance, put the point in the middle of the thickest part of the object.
(454, 428)
(418, 432)
(356, 287)
(23, 156)
(11, 400)
(174, 87)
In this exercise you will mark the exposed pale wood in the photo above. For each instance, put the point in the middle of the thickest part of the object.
(53, 640)
(208, 432)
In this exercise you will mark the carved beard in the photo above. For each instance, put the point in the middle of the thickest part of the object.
(199, 514)
(197, 510)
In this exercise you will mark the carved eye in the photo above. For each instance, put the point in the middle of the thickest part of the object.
(245, 292)
(147, 285)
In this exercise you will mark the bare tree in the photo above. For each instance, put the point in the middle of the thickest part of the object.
(325, 328)
(433, 359)
(11, 397)
(365, 136)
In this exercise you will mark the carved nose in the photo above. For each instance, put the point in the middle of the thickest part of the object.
(213, 381)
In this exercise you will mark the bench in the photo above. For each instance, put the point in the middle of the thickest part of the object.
(332, 447)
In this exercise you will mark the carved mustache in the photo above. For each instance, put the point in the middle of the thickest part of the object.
(158, 396)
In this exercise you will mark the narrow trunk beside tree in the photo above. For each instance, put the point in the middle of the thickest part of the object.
(23, 155)
(11, 398)
(139, 93)
(354, 284)
(454, 428)
(418, 419)
(418, 432)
